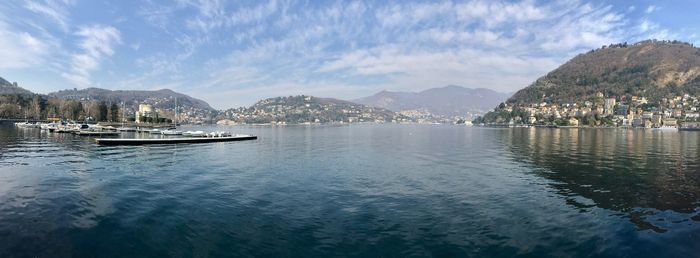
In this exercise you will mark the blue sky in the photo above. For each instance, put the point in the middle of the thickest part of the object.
(233, 53)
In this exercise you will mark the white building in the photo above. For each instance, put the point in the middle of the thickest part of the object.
(609, 106)
(145, 110)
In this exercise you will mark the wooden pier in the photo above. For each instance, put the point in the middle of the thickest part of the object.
(95, 133)
(133, 141)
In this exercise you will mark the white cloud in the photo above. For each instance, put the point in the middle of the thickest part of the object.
(98, 41)
(213, 14)
(502, 45)
(583, 27)
(52, 9)
(422, 69)
(411, 13)
(651, 9)
(494, 13)
(647, 25)
(505, 46)
(249, 15)
(20, 49)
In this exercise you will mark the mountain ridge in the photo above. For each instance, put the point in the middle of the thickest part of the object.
(6, 87)
(159, 98)
(307, 109)
(450, 100)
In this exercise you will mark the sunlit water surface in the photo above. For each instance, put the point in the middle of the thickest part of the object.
(355, 190)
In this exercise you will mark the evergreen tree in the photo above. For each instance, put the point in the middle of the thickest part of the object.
(102, 111)
(114, 112)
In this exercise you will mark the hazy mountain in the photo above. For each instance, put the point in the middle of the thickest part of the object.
(447, 101)
(8, 88)
(159, 98)
(649, 68)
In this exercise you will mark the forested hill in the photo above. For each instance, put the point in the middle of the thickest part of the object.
(159, 98)
(649, 68)
(308, 109)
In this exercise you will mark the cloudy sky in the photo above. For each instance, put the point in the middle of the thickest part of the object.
(232, 53)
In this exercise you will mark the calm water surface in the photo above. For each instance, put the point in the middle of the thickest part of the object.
(357, 191)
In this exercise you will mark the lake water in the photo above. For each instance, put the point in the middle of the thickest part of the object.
(355, 191)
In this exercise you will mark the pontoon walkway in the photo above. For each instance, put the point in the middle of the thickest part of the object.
(132, 141)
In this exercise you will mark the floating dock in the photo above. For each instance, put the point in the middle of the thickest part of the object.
(89, 133)
(133, 141)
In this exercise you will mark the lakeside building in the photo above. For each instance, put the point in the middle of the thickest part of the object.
(145, 110)
(609, 106)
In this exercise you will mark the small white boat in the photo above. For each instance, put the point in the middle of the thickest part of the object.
(26, 125)
(194, 133)
(219, 134)
(171, 132)
(667, 128)
(126, 129)
(154, 131)
(65, 129)
(48, 126)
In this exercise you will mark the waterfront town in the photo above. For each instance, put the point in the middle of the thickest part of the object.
(601, 111)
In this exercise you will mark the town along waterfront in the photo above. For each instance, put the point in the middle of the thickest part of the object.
(362, 190)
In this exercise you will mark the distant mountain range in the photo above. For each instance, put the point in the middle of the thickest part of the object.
(8, 88)
(447, 101)
(159, 98)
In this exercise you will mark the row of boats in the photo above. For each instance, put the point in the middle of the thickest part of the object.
(95, 129)
(62, 127)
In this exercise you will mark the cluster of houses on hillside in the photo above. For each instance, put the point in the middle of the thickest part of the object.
(304, 109)
(625, 111)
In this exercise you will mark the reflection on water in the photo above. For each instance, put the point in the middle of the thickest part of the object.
(354, 190)
(638, 173)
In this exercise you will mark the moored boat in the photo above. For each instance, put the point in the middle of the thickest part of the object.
(689, 126)
(218, 134)
(95, 133)
(171, 132)
(194, 133)
(667, 128)
(126, 129)
(27, 125)
(64, 130)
